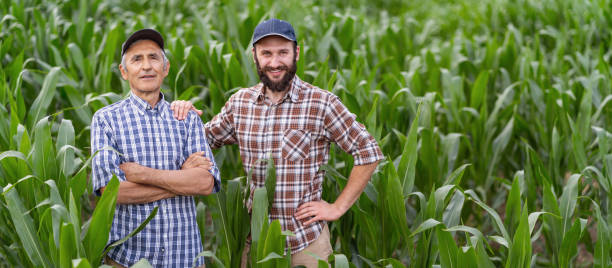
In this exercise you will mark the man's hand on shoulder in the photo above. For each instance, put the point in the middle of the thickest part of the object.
(180, 109)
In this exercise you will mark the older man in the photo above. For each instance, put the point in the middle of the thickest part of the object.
(295, 123)
(139, 141)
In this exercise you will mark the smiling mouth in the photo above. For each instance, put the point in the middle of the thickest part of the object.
(147, 77)
(276, 71)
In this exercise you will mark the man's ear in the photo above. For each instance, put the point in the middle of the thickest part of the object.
(166, 68)
(253, 52)
(123, 72)
(297, 52)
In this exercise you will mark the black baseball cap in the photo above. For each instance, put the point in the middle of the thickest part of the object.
(274, 27)
(144, 34)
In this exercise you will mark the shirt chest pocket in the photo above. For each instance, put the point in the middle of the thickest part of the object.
(295, 145)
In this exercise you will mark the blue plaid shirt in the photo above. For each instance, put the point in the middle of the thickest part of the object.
(150, 137)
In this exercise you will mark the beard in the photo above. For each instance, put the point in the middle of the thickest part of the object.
(281, 85)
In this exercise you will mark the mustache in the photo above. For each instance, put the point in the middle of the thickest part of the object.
(271, 69)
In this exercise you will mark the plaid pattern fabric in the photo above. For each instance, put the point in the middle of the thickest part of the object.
(152, 138)
(297, 133)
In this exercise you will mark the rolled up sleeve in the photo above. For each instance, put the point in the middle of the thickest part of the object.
(106, 160)
(352, 136)
(196, 142)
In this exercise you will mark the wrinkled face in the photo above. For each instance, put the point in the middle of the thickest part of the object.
(144, 66)
(275, 58)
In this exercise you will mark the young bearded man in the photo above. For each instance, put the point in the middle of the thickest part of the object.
(294, 123)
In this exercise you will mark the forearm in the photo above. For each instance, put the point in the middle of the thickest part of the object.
(192, 181)
(135, 193)
(360, 175)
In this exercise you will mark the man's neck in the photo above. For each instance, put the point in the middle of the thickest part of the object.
(151, 97)
(275, 96)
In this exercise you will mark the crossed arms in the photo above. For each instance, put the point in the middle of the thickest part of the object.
(139, 184)
(144, 184)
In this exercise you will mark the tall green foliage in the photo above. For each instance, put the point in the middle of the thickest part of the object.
(494, 117)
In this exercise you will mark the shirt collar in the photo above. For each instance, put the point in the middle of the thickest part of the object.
(294, 91)
(141, 105)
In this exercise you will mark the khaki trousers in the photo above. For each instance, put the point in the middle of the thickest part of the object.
(320, 247)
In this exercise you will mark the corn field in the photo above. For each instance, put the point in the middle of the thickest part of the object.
(494, 117)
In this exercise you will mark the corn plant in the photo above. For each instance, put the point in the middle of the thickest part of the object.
(494, 117)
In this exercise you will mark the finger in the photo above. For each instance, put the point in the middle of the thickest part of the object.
(186, 109)
(181, 112)
(300, 214)
(197, 154)
(303, 216)
(199, 112)
(305, 205)
(312, 220)
(205, 166)
(307, 212)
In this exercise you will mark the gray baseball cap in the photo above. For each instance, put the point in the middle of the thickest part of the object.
(274, 27)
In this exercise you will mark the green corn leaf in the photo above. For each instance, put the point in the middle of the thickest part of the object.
(568, 201)
(426, 225)
(341, 261)
(259, 217)
(65, 156)
(80, 263)
(603, 245)
(513, 207)
(24, 227)
(47, 92)
(407, 165)
(569, 246)
(496, 219)
(43, 154)
(101, 221)
(452, 212)
(274, 242)
(520, 251)
(449, 252)
(68, 247)
(142, 225)
(208, 254)
(270, 182)
(479, 90)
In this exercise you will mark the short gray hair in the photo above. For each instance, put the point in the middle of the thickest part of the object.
(163, 56)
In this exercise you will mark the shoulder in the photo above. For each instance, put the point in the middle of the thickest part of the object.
(109, 111)
(192, 117)
(311, 93)
(245, 94)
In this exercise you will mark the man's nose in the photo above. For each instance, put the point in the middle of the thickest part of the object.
(275, 61)
(146, 64)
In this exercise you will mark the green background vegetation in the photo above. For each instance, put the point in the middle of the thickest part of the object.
(494, 117)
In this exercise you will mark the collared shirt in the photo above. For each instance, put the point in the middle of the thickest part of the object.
(297, 133)
(151, 137)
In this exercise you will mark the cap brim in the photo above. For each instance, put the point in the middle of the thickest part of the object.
(271, 34)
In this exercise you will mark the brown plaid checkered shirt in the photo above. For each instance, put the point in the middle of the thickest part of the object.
(297, 133)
